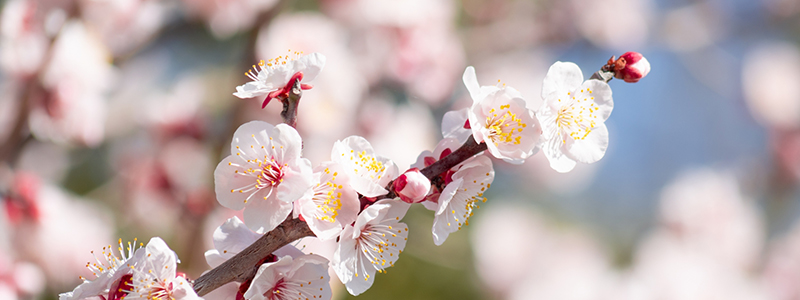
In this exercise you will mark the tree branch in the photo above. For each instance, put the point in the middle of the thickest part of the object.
(289, 112)
(245, 264)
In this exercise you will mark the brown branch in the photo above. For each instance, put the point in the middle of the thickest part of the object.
(289, 112)
(244, 265)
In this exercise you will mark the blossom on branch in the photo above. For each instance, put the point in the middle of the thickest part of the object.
(264, 174)
(331, 203)
(499, 118)
(304, 277)
(275, 77)
(372, 244)
(427, 158)
(368, 173)
(412, 186)
(461, 196)
(157, 278)
(232, 237)
(109, 270)
(572, 117)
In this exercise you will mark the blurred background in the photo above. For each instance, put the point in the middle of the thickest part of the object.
(114, 114)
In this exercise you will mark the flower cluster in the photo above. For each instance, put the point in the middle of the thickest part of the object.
(356, 200)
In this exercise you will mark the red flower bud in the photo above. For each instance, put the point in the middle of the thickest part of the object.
(631, 67)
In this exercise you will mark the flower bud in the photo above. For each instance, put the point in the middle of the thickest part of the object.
(631, 67)
(412, 186)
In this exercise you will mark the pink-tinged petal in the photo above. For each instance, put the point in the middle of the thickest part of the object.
(263, 215)
(231, 186)
(442, 227)
(559, 161)
(310, 65)
(562, 77)
(423, 159)
(453, 125)
(182, 290)
(591, 148)
(471, 82)
(397, 209)
(600, 94)
(296, 182)
(160, 259)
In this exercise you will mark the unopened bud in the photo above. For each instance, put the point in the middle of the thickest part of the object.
(631, 67)
(412, 186)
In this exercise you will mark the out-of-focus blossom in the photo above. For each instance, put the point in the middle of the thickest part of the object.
(781, 270)
(232, 237)
(226, 17)
(77, 78)
(157, 278)
(23, 40)
(372, 244)
(630, 26)
(126, 24)
(109, 270)
(693, 27)
(412, 186)
(412, 42)
(519, 256)
(369, 173)
(633, 67)
(399, 132)
(499, 118)
(705, 211)
(45, 217)
(290, 278)
(461, 196)
(275, 77)
(572, 117)
(768, 77)
(264, 174)
(331, 203)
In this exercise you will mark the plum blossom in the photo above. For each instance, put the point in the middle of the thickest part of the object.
(304, 277)
(412, 186)
(264, 175)
(368, 173)
(461, 196)
(498, 116)
(372, 244)
(331, 203)
(111, 271)
(572, 117)
(275, 77)
(427, 158)
(232, 237)
(157, 278)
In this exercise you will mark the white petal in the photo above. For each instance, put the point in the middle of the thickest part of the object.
(562, 77)
(453, 125)
(343, 261)
(602, 97)
(248, 139)
(590, 149)
(559, 161)
(251, 90)
(442, 227)
(296, 181)
(263, 215)
(161, 259)
(310, 65)
(471, 82)
(287, 142)
(182, 289)
(230, 238)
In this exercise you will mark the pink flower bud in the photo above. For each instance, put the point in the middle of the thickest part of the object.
(412, 186)
(631, 67)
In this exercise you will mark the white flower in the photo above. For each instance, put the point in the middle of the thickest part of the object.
(461, 196)
(275, 77)
(372, 244)
(331, 203)
(499, 118)
(264, 174)
(108, 269)
(572, 117)
(304, 277)
(157, 278)
(368, 173)
(232, 237)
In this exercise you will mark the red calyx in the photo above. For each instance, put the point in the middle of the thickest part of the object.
(283, 92)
